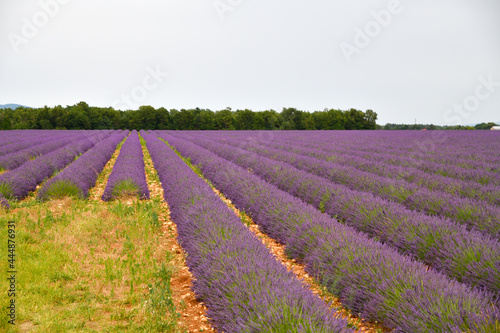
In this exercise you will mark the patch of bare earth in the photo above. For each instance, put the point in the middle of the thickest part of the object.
(192, 312)
(27, 326)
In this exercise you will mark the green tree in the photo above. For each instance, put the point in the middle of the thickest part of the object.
(163, 119)
(82, 116)
(146, 118)
(224, 120)
(78, 117)
(244, 119)
(204, 120)
(370, 120)
(309, 122)
(294, 117)
(354, 120)
(485, 126)
(184, 120)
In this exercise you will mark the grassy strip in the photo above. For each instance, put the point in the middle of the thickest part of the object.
(85, 265)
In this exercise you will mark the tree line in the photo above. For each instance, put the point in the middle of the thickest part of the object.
(83, 116)
(481, 126)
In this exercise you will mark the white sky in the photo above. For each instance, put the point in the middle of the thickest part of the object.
(427, 57)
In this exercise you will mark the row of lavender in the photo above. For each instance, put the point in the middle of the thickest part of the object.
(11, 141)
(371, 278)
(473, 170)
(40, 146)
(436, 152)
(78, 176)
(424, 152)
(468, 256)
(490, 192)
(18, 183)
(244, 287)
(474, 213)
(468, 149)
(128, 176)
(81, 175)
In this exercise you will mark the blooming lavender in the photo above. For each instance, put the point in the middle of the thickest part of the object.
(471, 156)
(19, 182)
(466, 255)
(474, 213)
(244, 288)
(456, 154)
(40, 147)
(3, 202)
(371, 278)
(490, 193)
(82, 174)
(128, 175)
(16, 140)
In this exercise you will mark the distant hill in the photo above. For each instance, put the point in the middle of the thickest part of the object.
(10, 106)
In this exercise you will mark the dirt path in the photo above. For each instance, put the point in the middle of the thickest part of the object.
(193, 312)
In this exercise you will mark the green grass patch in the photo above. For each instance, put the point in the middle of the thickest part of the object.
(62, 188)
(125, 188)
(89, 266)
(6, 190)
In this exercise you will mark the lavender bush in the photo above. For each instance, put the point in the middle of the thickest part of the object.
(474, 213)
(454, 154)
(128, 175)
(17, 140)
(371, 278)
(244, 287)
(3, 202)
(19, 182)
(39, 147)
(82, 174)
(466, 255)
(468, 188)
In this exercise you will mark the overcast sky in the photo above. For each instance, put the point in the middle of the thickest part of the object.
(431, 61)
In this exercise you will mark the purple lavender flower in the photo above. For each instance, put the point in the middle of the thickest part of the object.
(474, 213)
(244, 287)
(82, 174)
(40, 147)
(466, 255)
(19, 182)
(16, 140)
(128, 175)
(378, 163)
(3, 202)
(371, 278)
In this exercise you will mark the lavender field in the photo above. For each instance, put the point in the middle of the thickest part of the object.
(401, 227)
